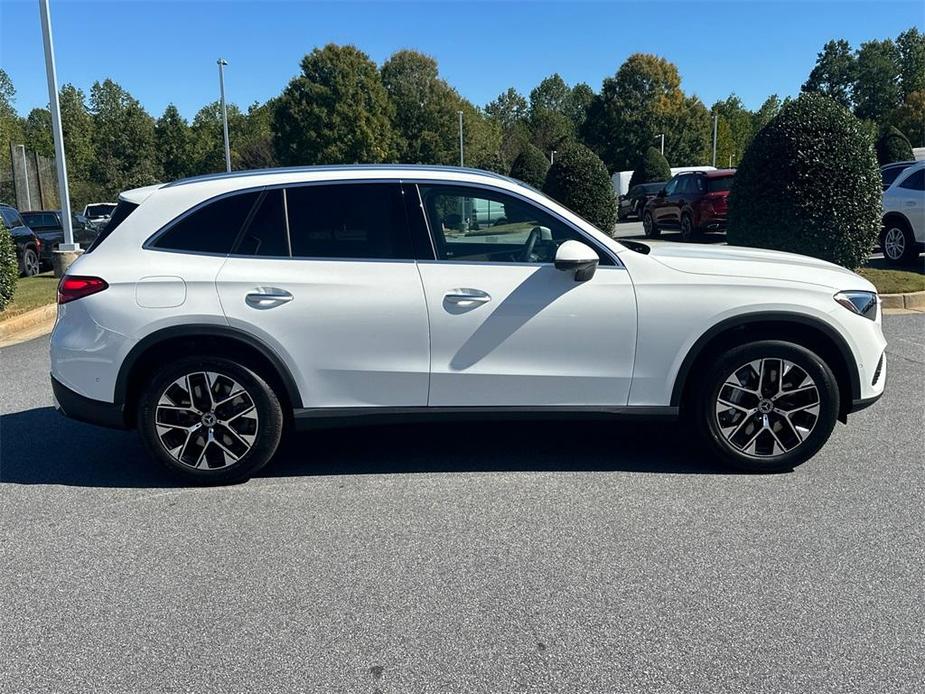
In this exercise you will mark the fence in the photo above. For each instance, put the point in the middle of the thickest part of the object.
(32, 181)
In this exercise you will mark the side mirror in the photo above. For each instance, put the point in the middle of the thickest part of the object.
(574, 256)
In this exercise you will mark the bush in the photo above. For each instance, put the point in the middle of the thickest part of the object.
(9, 267)
(808, 183)
(530, 166)
(578, 179)
(652, 168)
(892, 146)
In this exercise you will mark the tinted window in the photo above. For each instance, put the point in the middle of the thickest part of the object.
(100, 210)
(122, 211)
(479, 225)
(891, 173)
(40, 219)
(212, 228)
(650, 188)
(357, 220)
(11, 217)
(266, 233)
(719, 184)
(915, 181)
(672, 187)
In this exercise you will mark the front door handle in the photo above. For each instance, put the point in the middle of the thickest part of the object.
(466, 297)
(267, 297)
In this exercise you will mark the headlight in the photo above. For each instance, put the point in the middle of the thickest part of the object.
(862, 303)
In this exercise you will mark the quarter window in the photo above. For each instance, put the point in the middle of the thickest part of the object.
(212, 228)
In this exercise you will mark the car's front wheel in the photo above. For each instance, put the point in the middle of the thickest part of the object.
(766, 406)
(210, 420)
(898, 243)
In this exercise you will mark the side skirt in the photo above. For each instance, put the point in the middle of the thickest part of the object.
(317, 418)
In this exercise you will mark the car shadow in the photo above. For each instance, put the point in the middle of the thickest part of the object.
(39, 446)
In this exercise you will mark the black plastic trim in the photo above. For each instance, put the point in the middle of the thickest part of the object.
(863, 403)
(84, 409)
(761, 317)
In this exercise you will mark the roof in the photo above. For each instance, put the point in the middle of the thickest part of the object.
(719, 173)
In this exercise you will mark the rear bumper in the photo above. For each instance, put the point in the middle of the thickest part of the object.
(84, 409)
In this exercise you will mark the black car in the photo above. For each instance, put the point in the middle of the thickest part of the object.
(28, 245)
(47, 226)
(633, 203)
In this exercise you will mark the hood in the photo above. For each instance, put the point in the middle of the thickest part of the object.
(757, 263)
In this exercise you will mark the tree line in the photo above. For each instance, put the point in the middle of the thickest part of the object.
(343, 108)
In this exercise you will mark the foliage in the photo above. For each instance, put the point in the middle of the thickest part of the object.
(530, 166)
(652, 167)
(579, 180)
(823, 198)
(877, 89)
(909, 118)
(911, 49)
(834, 73)
(892, 146)
(508, 109)
(736, 127)
(9, 266)
(174, 144)
(207, 137)
(37, 132)
(10, 132)
(77, 127)
(336, 112)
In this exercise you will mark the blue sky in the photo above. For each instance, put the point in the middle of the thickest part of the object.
(165, 52)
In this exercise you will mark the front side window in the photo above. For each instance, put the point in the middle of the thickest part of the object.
(478, 225)
(11, 218)
(672, 186)
(890, 174)
(211, 228)
(914, 181)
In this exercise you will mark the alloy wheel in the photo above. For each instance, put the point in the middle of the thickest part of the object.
(206, 420)
(894, 243)
(30, 263)
(767, 407)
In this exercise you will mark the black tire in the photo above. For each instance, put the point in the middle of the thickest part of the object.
(898, 242)
(761, 441)
(649, 226)
(30, 262)
(688, 231)
(266, 413)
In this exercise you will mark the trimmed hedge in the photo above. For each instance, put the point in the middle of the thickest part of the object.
(809, 183)
(892, 146)
(530, 166)
(9, 266)
(652, 168)
(579, 180)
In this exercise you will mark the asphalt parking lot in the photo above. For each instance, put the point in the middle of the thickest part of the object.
(495, 557)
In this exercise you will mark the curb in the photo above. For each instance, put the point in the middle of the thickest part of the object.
(912, 300)
(27, 322)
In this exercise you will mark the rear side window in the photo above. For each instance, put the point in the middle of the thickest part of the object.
(719, 184)
(266, 233)
(356, 220)
(915, 181)
(119, 215)
(212, 228)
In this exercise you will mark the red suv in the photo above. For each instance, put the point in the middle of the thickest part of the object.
(692, 202)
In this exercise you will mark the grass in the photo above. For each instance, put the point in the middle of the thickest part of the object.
(894, 281)
(31, 292)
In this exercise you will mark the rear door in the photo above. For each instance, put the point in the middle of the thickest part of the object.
(324, 273)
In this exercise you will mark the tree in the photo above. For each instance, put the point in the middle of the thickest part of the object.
(910, 118)
(530, 166)
(37, 132)
(550, 130)
(892, 146)
(335, 112)
(579, 180)
(911, 47)
(207, 138)
(174, 144)
(579, 103)
(770, 108)
(552, 94)
(737, 126)
(77, 128)
(834, 73)
(508, 109)
(877, 89)
(9, 266)
(10, 132)
(823, 198)
(255, 142)
(652, 168)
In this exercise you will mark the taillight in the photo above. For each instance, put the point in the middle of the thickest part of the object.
(73, 287)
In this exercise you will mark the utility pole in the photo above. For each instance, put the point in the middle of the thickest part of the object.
(25, 175)
(715, 121)
(221, 82)
(63, 194)
(461, 157)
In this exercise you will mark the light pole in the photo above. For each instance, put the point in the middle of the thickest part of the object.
(552, 157)
(64, 196)
(662, 136)
(25, 175)
(461, 157)
(715, 120)
(221, 83)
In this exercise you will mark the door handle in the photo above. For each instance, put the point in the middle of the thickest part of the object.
(909, 203)
(267, 297)
(466, 297)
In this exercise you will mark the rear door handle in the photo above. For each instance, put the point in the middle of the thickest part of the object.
(466, 297)
(267, 297)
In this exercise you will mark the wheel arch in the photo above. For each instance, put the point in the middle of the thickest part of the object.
(809, 332)
(213, 340)
(895, 217)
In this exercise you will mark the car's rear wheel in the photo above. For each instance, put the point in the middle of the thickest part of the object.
(210, 420)
(766, 406)
(688, 230)
(30, 262)
(898, 243)
(649, 226)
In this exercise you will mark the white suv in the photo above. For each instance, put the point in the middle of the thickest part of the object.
(213, 313)
(903, 235)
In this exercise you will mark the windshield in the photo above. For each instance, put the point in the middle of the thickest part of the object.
(719, 184)
(103, 210)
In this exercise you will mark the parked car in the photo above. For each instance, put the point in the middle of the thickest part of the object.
(47, 226)
(889, 172)
(903, 236)
(99, 212)
(28, 245)
(339, 293)
(692, 202)
(633, 203)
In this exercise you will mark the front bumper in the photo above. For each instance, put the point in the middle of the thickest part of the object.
(84, 409)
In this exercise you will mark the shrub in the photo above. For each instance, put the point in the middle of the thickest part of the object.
(9, 266)
(892, 146)
(530, 166)
(578, 179)
(808, 183)
(652, 168)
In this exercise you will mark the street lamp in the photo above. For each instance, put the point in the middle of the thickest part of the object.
(715, 122)
(461, 157)
(25, 175)
(221, 82)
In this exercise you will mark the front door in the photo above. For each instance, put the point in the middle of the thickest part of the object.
(506, 327)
